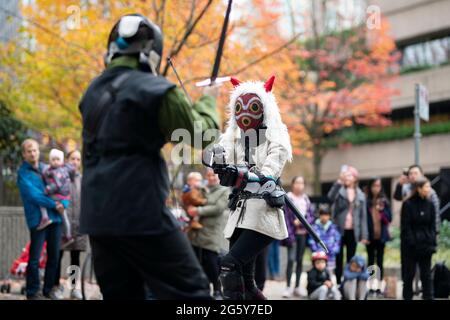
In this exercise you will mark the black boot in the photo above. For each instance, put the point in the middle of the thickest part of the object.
(252, 292)
(231, 279)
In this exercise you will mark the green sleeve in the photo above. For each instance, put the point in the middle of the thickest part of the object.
(176, 112)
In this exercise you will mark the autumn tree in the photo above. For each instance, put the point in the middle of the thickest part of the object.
(60, 47)
(342, 80)
(12, 133)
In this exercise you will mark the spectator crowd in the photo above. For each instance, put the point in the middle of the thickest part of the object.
(352, 216)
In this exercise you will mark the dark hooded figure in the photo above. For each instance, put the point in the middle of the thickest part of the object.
(129, 112)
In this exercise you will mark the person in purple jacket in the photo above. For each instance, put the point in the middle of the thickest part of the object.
(296, 241)
(58, 176)
(329, 234)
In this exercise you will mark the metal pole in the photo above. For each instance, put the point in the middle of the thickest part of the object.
(444, 208)
(417, 134)
(169, 61)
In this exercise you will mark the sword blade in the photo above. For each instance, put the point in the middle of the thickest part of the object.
(305, 223)
(223, 35)
(208, 82)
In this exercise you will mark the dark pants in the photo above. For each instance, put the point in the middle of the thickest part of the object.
(166, 264)
(74, 261)
(261, 268)
(410, 262)
(348, 241)
(245, 245)
(51, 234)
(209, 260)
(375, 251)
(402, 260)
(295, 255)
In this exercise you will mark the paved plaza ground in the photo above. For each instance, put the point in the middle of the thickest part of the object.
(273, 290)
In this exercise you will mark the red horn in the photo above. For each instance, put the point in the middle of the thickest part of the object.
(235, 82)
(269, 84)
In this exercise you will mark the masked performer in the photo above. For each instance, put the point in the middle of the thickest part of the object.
(250, 158)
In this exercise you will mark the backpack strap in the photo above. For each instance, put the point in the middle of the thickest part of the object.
(97, 114)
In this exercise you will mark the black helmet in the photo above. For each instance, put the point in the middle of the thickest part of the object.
(134, 34)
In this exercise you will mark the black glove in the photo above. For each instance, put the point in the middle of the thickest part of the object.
(227, 175)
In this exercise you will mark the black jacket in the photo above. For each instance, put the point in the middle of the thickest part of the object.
(418, 227)
(316, 279)
(125, 180)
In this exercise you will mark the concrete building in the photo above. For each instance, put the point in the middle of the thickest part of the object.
(9, 22)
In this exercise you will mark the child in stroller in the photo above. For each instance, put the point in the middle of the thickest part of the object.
(19, 267)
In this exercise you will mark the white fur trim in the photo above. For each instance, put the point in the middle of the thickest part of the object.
(276, 130)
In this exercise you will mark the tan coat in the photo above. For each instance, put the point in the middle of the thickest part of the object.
(270, 159)
(73, 213)
(212, 218)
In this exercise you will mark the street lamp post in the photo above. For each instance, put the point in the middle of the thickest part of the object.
(417, 134)
(421, 111)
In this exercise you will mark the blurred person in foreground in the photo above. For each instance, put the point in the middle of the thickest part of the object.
(129, 113)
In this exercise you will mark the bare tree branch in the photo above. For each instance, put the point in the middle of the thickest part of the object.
(56, 95)
(190, 28)
(269, 54)
(210, 41)
(162, 9)
(291, 15)
(256, 61)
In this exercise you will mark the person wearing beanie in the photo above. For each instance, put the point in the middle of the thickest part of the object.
(57, 177)
(355, 279)
(56, 154)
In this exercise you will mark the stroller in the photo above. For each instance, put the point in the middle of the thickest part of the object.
(19, 267)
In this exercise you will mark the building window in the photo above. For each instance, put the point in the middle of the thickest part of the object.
(426, 54)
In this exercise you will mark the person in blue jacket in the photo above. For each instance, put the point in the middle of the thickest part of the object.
(31, 187)
(355, 279)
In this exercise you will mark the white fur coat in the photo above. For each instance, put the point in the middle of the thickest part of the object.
(270, 158)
